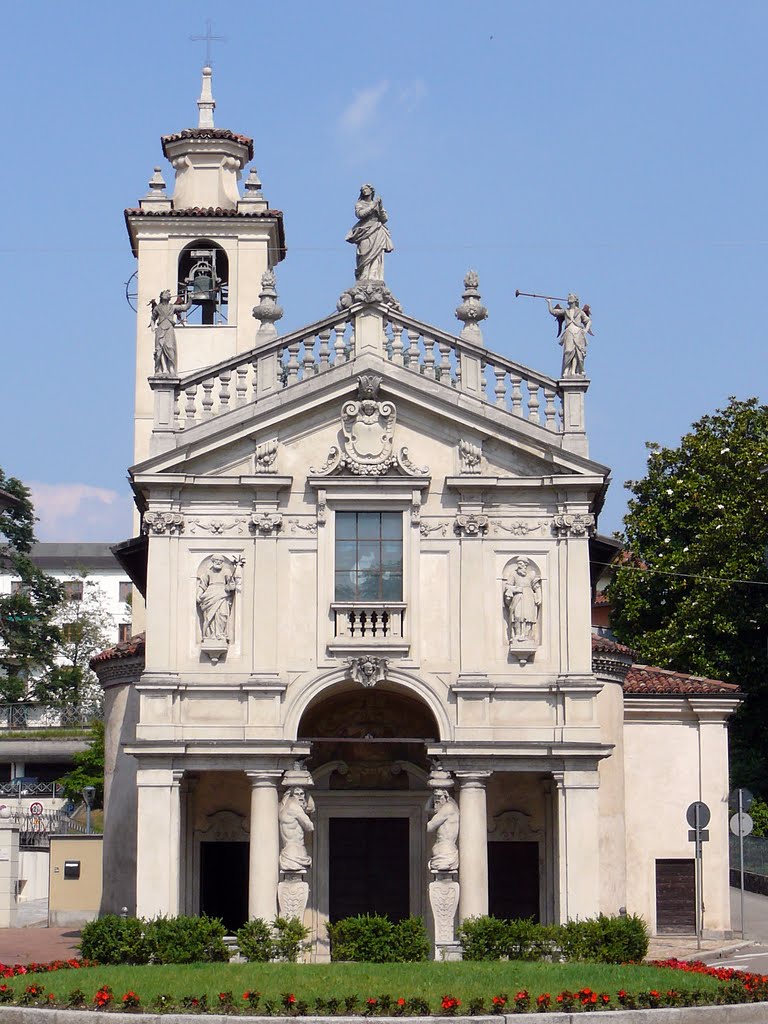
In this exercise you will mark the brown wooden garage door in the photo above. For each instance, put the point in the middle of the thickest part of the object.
(675, 896)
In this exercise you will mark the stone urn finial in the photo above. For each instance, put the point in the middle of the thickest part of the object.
(267, 311)
(471, 311)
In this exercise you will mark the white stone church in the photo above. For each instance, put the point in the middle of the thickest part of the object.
(365, 549)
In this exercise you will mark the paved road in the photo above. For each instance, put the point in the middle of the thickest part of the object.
(755, 957)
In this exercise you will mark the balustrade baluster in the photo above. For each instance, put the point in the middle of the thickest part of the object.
(207, 398)
(500, 387)
(352, 343)
(190, 407)
(254, 375)
(241, 384)
(533, 402)
(411, 350)
(428, 369)
(397, 344)
(445, 362)
(339, 348)
(549, 408)
(309, 358)
(457, 382)
(176, 409)
(224, 378)
(324, 351)
(517, 396)
(292, 366)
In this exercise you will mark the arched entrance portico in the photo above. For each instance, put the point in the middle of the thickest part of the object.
(370, 768)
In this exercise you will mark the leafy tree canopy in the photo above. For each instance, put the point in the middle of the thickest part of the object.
(692, 593)
(89, 767)
(28, 635)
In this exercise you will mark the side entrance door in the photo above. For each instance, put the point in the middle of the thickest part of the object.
(224, 882)
(368, 867)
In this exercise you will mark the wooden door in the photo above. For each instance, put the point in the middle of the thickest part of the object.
(675, 896)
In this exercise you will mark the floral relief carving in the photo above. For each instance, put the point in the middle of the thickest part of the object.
(310, 526)
(216, 526)
(470, 456)
(427, 528)
(578, 525)
(367, 670)
(517, 527)
(163, 522)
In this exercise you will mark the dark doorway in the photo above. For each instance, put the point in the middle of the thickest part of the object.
(368, 867)
(513, 880)
(224, 883)
(675, 896)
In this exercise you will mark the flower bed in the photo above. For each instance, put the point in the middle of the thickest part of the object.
(34, 985)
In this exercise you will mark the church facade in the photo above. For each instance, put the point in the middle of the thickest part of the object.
(368, 681)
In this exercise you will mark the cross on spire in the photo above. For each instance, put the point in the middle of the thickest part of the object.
(208, 38)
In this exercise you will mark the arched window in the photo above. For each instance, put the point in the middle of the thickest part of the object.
(204, 281)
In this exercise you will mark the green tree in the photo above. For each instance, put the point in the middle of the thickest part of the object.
(692, 593)
(89, 767)
(28, 633)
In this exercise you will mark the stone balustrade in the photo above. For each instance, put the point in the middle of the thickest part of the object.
(185, 402)
(376, 620)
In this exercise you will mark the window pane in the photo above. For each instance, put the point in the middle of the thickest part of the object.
(392, 525)
(368, 525)
(367, 586)
(392, 587)
(346, 554)
(345, 586)
(345, 525)
(392, 555)
(368, 554)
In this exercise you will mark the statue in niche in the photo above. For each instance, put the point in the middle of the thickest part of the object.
(522, 601)
(445, 824)
(217, 585)
(293, 820)
(573, 324)
(370, 236)
(164, 316)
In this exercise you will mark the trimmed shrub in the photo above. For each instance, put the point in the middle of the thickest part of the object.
(254, 940)
(186, 940)
(410, 943)
(484, 938)
(290, 938)
(115, 940)
(612, 940)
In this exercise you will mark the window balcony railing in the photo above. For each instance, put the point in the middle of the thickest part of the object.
(374, 621)
(46, 716)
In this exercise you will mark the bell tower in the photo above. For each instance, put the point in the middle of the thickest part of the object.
(205, 244)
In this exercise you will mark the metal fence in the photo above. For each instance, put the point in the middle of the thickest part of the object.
(47, 716)
(755, 854)
(35, 830)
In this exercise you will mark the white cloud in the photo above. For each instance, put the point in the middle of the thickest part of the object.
(80, 512)
(363, 111)
(367, 122)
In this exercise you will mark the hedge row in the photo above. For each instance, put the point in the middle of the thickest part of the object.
(611, 940)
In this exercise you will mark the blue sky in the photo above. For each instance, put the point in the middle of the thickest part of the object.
(612, 149)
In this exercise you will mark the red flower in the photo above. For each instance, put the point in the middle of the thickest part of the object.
(401, 1001)
(291, 998)
(501, 1001)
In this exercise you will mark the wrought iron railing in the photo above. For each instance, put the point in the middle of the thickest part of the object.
(48, 716)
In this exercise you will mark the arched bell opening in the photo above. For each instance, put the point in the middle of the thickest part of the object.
(368, 738)
(204, 282)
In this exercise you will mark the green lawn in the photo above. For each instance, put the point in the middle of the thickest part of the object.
(429, 981)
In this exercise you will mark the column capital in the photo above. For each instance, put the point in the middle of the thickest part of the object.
(264, 779)
(473, 779)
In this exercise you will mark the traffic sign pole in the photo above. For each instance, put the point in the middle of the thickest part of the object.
(698, 874)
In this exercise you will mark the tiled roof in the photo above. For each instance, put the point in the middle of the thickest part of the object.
(208, 133)
(602, 645)
(132, 648)
(643, 679)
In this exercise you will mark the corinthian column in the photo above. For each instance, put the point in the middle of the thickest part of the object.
(264, 846)
(473, 845)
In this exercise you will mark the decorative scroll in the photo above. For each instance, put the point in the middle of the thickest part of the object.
(471, 525)
(579, 525)
(163, 522)
(266, 523)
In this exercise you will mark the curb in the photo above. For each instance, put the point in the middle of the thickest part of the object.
(722, 951)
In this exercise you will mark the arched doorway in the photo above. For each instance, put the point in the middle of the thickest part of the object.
(370, 769)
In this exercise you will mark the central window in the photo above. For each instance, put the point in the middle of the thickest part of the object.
(369, 556)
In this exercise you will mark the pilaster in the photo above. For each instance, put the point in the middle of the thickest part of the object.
(158, 845)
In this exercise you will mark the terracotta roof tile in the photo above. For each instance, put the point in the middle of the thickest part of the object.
(643, 679)
(603, 645)
(126, 649)
(208, 133)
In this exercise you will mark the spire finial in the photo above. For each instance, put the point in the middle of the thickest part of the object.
(206, 104)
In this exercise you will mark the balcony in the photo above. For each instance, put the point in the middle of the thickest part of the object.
(373, 626)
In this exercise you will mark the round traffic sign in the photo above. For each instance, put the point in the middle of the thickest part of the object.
(741, 824)
(703, 814)
(747, 798)
(36, 808)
